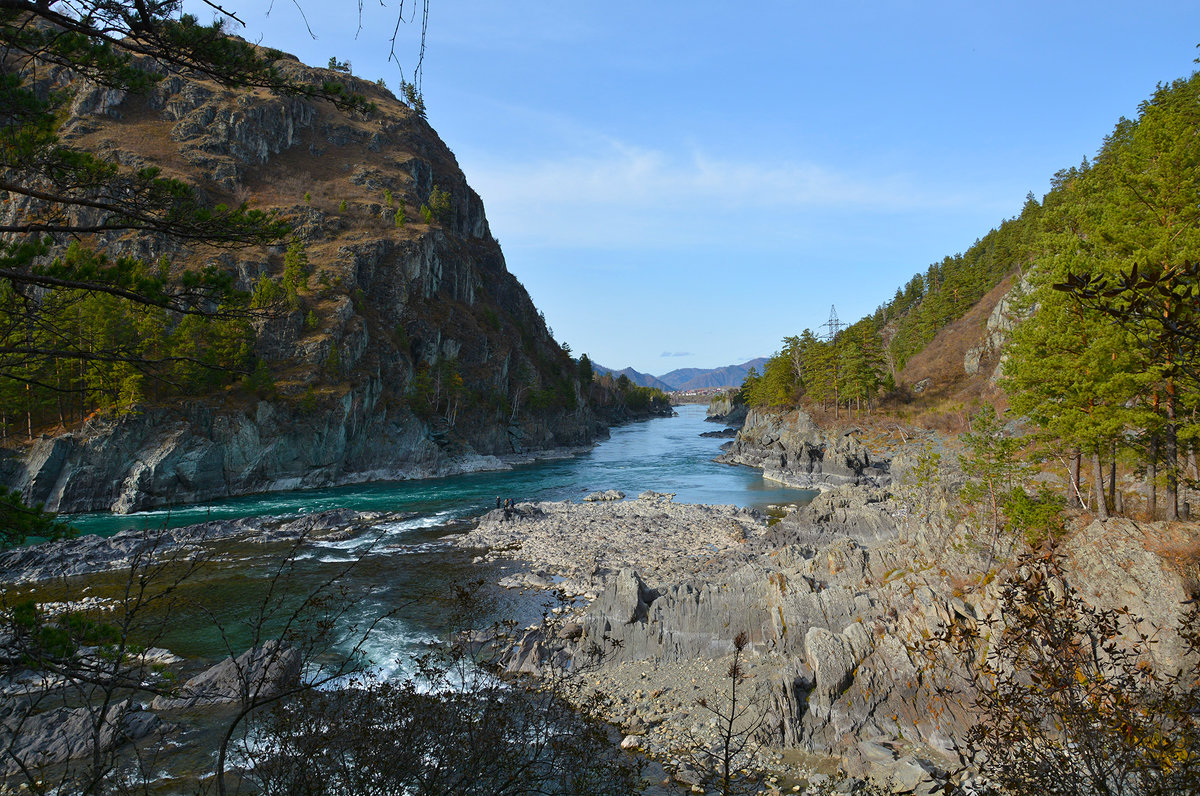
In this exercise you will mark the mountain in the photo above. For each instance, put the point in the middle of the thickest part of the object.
(689, 378)
(404, 348)
(682, 376)
(640, 379)
(700, 379)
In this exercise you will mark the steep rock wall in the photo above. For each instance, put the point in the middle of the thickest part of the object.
(414, 352)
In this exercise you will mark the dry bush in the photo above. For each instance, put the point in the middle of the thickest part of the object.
(1063, 697)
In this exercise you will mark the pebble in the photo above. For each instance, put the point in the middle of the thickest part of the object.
(652, 535)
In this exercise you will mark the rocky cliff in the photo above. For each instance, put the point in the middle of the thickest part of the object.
(790, 448)
(721, 409)
(411, 350)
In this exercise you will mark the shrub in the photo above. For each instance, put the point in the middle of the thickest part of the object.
(1038, 517)
(267, 293)
(295, 273)
(440, 206)
(308, 402)
(260, 381)
(1064, 698)
(333, 364)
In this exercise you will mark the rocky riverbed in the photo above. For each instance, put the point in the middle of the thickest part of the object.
(834, 601)
(577, 546)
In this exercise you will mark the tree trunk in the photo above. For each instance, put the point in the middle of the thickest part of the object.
(1112, 479)
(1152, 478)
(1098, 483)
(1171, 454)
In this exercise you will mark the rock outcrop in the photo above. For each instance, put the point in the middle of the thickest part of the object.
(790, 448)
(1004, 317)
(258, 674)
(88, 554)
(58, 735)
(835, 602)
(721, 409)
(409, 351)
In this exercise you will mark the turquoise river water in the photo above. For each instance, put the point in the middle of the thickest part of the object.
(412, 563)
(662, 454)
(400, 574)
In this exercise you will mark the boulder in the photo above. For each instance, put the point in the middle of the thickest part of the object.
(61, 734)
(258, 673)
(611, 494)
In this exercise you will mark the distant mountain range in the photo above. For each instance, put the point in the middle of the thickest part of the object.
(684, 379)
(640, 379)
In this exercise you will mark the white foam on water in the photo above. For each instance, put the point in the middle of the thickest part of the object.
(387, 535)
(418, 523)
(389, 652)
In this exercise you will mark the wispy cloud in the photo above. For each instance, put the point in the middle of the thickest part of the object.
(676, 353)
(625, 195)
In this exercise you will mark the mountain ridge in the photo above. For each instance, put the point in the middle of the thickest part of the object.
(684, 379)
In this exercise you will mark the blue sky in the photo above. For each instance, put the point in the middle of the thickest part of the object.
(682, 184)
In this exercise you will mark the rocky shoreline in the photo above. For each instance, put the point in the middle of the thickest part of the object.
(833, 600)
(791, 449)
(195, 455)
(673, 584)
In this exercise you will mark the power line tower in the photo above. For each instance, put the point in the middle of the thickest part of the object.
(833, 324)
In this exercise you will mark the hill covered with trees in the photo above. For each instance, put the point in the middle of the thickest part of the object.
(1103, 312)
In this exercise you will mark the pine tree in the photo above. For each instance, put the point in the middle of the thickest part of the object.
(60, 194)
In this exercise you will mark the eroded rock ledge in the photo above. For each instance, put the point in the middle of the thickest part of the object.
(792, 449)
(834, 600)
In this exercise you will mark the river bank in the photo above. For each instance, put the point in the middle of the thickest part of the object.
(835, 602)
(831, 599)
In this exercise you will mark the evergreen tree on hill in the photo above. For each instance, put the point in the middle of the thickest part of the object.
(76, 320)
(1073, 370)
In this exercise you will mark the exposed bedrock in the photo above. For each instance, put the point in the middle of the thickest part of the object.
(790, 448)
(199, 452)
(835, 600)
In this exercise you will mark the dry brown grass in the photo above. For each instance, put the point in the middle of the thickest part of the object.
(1178, 543)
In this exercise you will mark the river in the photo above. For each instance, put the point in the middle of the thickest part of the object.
(405, 567)
(663, 454)
(413, 563)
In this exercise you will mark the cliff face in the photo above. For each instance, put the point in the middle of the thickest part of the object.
(790, 448)
(412, 351)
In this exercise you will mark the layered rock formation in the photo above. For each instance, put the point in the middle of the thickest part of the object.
(412, 350)
(721, 409)
(790, 448)
(838, 601)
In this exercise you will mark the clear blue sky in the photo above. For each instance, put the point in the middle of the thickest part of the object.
(682, 184)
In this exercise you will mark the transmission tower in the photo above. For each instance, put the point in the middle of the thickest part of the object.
(833, 325)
